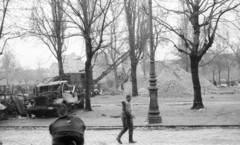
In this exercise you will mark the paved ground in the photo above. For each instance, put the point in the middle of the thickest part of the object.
(172, 113)
(220, 110)
(206, 136)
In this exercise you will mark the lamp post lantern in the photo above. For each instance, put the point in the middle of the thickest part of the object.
(153, 113)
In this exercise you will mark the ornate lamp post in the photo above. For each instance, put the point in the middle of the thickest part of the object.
(153, 112)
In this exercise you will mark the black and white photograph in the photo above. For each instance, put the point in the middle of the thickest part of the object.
(110, 72)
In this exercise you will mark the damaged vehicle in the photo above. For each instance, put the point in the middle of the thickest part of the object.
(55, 97)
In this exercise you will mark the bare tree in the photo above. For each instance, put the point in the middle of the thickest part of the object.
(50, 27)
(9, 67)
(213, 70)
(209, 63)
(90, 17)
(186, 32)
(116, 60)
(204, 17)
(115, 54)
(236, 50)
(160, 39)
(219, 62)
(217, 59)
(5, 34)
(234, 45)
(5, 4)
(137, 35)
(229, 63)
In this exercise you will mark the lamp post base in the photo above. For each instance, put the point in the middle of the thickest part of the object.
(153, 113)
(154, 118)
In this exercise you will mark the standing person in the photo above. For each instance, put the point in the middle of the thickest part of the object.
(127, 120)
(67, 130)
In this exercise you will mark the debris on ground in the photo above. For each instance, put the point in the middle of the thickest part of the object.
(173, 89)
(113, 92)
(173, 83)
(180, 81)
(115, 116)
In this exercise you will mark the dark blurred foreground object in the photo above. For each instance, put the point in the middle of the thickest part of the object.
(67, 130)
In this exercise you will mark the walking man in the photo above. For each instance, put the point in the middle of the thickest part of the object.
(127, 120)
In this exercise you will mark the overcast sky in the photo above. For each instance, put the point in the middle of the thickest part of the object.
(31, 52)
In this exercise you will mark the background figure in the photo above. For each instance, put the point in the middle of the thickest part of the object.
(67, 130)
(127, 120)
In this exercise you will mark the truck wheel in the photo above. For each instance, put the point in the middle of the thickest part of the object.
(62, 110)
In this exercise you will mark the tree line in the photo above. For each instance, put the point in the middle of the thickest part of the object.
(117, 30)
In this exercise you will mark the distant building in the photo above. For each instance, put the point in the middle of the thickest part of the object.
(71, 63)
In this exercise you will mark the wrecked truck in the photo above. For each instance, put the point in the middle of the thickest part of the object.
(55, 97)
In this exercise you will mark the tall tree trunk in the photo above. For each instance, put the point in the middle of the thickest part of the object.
(229, 83)
(197, 102)
(134, 79)
(194, 61)
(88, 73)
(133, 59)
(219, 76)
(213, 77)
(214, 81)
(116, 77)
(60, 64)
(239, 70)
(58, 27)
(187, 63)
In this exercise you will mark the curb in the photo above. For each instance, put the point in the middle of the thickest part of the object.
(148, 127)
(161, 127)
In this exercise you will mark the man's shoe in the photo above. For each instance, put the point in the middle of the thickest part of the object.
(131, 138)
(119, 140)
(132, 141)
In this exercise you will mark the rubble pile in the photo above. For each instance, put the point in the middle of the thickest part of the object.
(172, 89)
(178, 83)
(143, 92)
(116, 92)
(113, 92)
(172, 83)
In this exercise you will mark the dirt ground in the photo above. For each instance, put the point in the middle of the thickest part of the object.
(220, 109)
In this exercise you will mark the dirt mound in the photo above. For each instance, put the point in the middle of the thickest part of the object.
(178, 83)
(172, 83)
(113, 92)
(143, 92)
(186, 77)
(173, 89)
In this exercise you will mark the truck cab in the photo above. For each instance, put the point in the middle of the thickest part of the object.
(54, 97)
